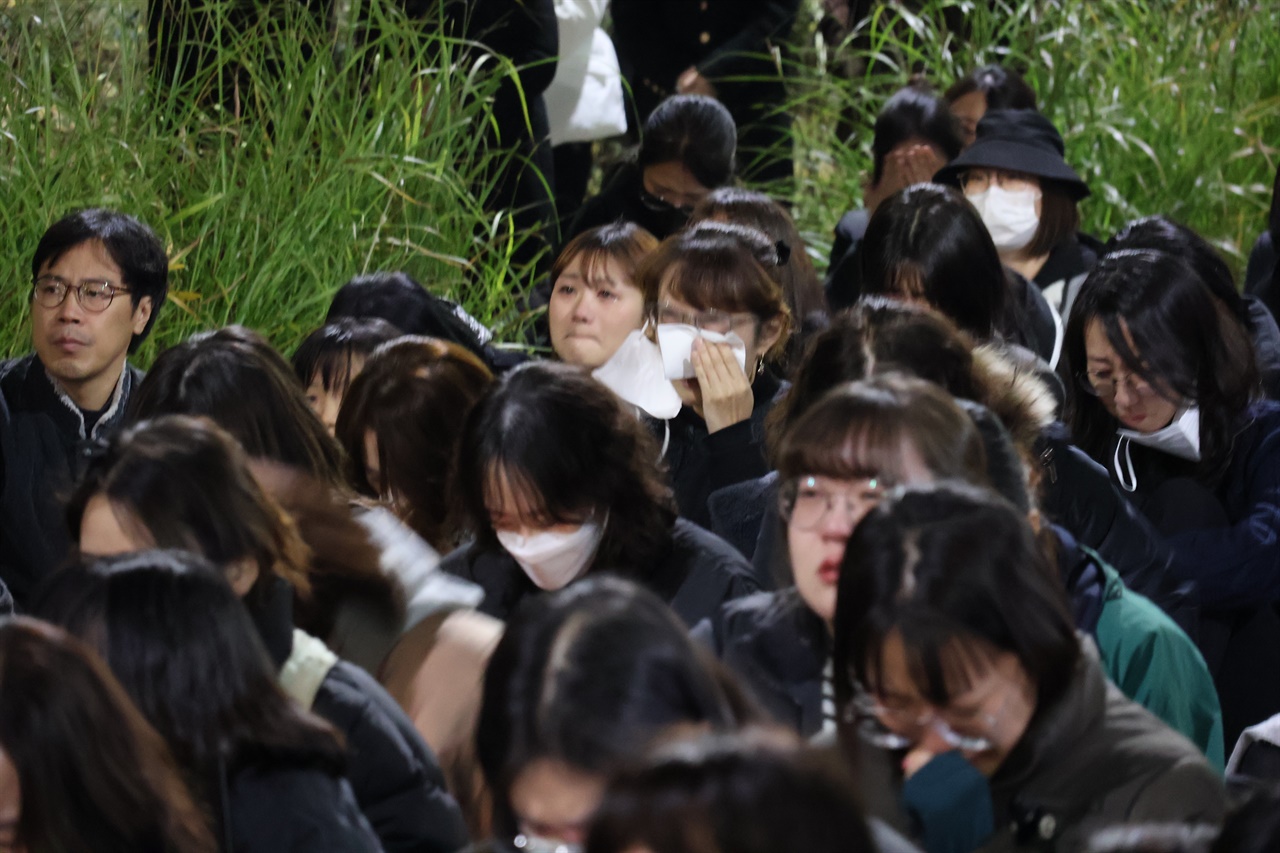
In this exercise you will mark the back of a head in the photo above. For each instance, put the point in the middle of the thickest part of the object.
(877, 335)
(696, 131)
(928, 243)
(1004, 88)
(146, 474)
(132, 245)
(1161, 234)
(568, 446)
(236, 378)
(186, 651)
(588, 676)
(92, 774)
(913, 112)
(757, 210)
(945, 563)
(414, 396)
(752, 792)
(406, 304)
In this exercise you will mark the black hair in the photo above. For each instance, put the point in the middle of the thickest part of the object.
(1162, 234)
(877, 334)
(1253, 824)
(238, 380)
(914, 111)
(732, 793)
(927, 242)
(186, 651)
(1004, 88)
(941, 563)
(1185, 343)
(695, 131)
(92, 775)
(588, 676)
(327, 352)
(407, 305)
(132, 245)
(570, 449)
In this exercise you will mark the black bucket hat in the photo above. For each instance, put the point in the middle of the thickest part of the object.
(1018, 141)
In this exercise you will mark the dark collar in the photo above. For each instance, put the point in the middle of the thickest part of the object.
(1055, 730)
(1066, 260)
(41, 393)
(270, 605)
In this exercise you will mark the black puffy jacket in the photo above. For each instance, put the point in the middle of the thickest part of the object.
(396, 779)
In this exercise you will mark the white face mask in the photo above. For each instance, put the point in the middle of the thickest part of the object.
(553, 560)
(1010, 215)
(636, 374)
(530, 843)
(1181, 438)
(675, 340)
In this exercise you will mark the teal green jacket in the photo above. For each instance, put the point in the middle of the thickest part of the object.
(1156, 664)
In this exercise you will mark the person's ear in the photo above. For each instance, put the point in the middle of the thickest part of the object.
(142, 314)
(770, 332)
(242, 574)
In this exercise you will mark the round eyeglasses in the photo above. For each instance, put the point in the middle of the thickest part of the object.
(1105, 384)
(805, 502)
(902, 728)
(92, 294)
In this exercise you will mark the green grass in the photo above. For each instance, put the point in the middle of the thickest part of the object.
(1167, 106)
(264, 214)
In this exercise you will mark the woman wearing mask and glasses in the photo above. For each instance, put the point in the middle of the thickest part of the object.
(723, 321)
(558, 480)
(963, 686)
(1166, 397)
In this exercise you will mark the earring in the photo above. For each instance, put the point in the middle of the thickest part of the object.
(759, 367)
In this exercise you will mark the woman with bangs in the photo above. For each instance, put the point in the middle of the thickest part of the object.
(858, 440)
(596, 305)
(557, 479)
(329, 359)
(722, 321)
(1167, 397)
(968, 701)
(834, 465)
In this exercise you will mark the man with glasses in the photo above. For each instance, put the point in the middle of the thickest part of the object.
(98, 279)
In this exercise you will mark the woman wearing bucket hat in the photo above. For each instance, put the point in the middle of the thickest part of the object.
(1027, 195)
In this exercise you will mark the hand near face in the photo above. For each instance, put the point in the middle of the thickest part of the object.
(693, 83)
(919, 163)
(725, 388)
(903, 167)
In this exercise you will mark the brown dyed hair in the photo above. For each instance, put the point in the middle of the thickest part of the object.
(623, 242)
(859, 430)
(414, 394)
(1059, 218)
(93, 775)
(720, 266)
(183, 482)
(756, 210)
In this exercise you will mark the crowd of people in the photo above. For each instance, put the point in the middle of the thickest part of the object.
(974, 545)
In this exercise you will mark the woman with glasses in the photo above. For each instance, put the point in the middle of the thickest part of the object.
(964, 689)
(1015, 176)
(722, 320)
(837, 459)
(686, 150)
(1166, 398)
